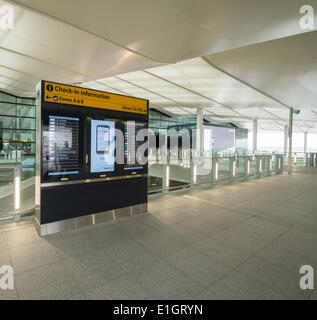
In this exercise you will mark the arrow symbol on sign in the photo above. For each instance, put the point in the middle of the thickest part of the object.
(48, 97)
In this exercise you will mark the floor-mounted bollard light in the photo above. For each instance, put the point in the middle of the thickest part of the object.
(167, 183)
(234, 168)
(216, 170)
(17, 188)
(195, 173)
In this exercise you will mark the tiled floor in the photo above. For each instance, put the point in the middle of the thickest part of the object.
(239, 241)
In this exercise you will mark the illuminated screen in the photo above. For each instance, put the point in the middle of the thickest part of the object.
(102, 146)
(131, 145)
(60, 147)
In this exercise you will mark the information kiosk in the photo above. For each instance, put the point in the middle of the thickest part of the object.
(91, 156)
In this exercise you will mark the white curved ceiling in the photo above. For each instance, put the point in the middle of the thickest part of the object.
(285, 69)
(258, 42)
(168, 31)
(178, 89)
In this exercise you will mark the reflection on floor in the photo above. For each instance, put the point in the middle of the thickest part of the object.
(240, 241)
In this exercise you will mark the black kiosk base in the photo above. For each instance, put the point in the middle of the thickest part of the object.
(79, 181)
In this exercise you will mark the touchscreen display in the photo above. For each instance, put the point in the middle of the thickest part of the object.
(103, 138)
(102, 146)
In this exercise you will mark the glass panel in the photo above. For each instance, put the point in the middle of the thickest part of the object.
(26, 101)
(155, 178)
(8, 122)
(26, 111)
(6, 191)
(253, 164)
(240, 167)
(7, 97)
(7, 109)
(223, 168)
(25, 123)
(274, 163)
(27, 188)
(204, 171)
(265, 165)
(179, 175)
(26, 136)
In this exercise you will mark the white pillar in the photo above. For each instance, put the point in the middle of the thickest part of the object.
(305, 142)
(305, 149)
(200, 132)
(290, 140)
(285, 140)
(255, 135)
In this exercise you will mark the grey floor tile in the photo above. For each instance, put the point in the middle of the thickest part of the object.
(161, 245)
(121, 288)
(235, 286)
(221, 252)
(5, 258)
(93, 270)
(179, 287)
(303, 234)
(265, 235)
(23, 236)
(33, 256)
(8, 294)
(132, 256)
(209, 294)
(53, 281)
(199, 267)
(3, 241)
(285, 258)
(275, 277)
(313, 295)
(240, 241)
(304, 248)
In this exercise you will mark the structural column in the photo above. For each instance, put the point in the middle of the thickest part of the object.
(305, 142)
(200, 132)
(290, 141)
(255, 135)
(285, 140)
(305, 147)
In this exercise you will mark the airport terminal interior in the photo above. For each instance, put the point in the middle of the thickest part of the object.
(218, 203)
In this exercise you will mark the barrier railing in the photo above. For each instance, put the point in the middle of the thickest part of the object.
(170, 173)
(166, 173)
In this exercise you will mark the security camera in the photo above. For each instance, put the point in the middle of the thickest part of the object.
(297, 111)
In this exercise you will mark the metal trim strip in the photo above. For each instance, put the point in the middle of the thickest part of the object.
(54, 184)
(90, 219)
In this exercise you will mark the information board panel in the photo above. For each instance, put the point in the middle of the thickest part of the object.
(88, 158)
(65, 94)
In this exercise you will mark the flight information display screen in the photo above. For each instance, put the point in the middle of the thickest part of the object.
(102, 146)
(132, 158)
(61, 146)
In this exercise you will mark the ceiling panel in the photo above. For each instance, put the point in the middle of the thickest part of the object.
(165, 88)
(176, 111)
(198, 76)
(131, 89)
(170, 31)
(285, 68)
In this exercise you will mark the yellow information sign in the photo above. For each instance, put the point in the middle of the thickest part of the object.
(64, 94)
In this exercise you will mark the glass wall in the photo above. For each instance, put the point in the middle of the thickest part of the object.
(273, 141)
(17, 130)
